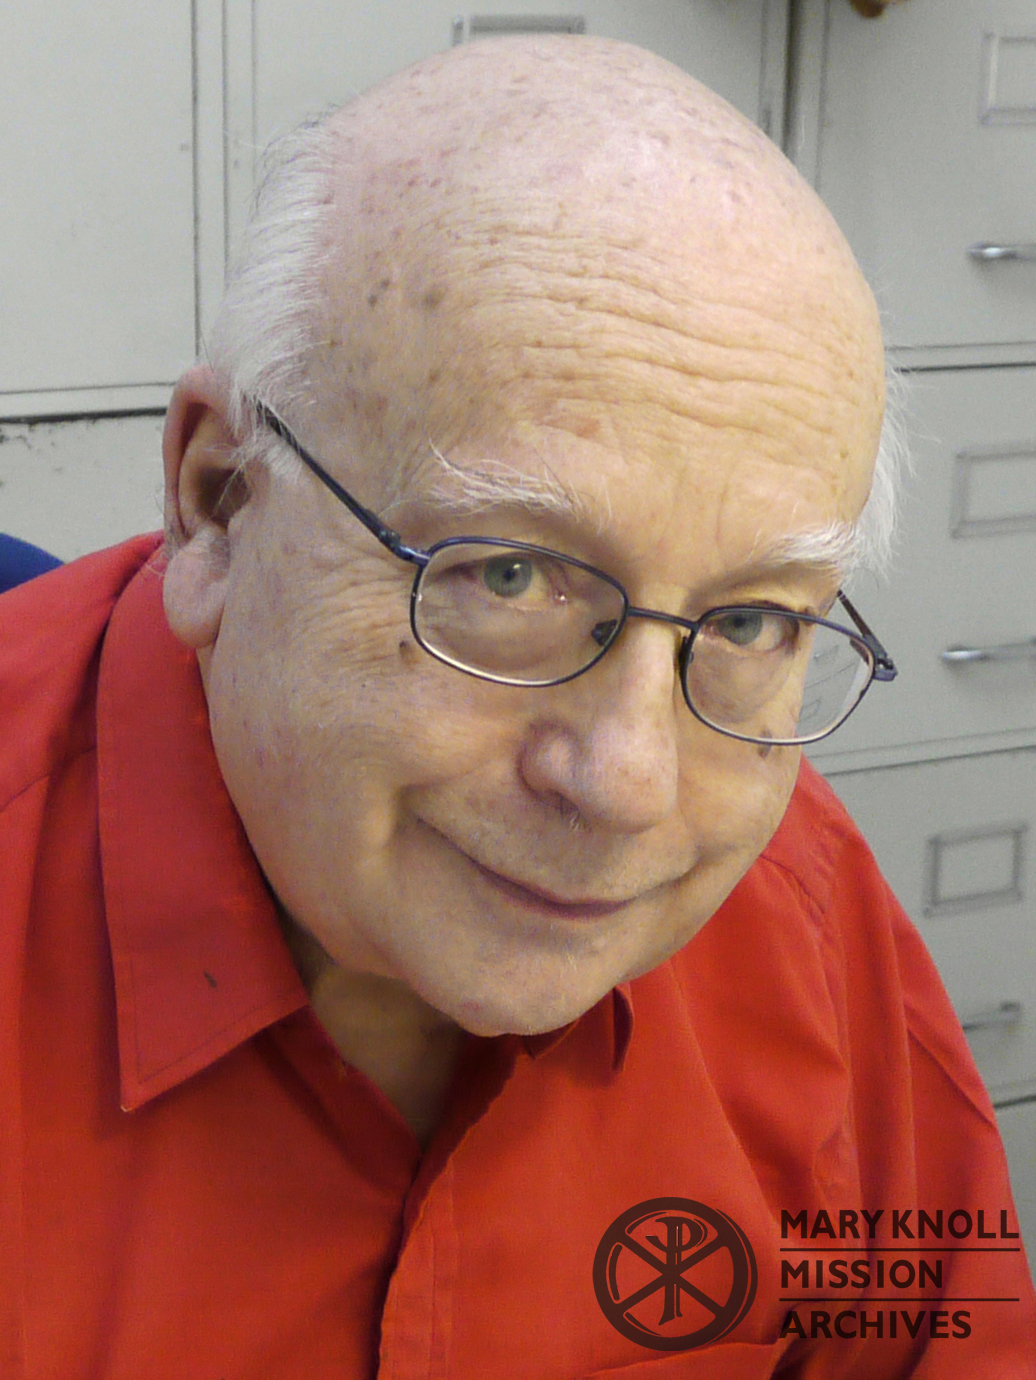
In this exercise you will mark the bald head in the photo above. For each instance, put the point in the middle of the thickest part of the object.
(523, 211)
(564, 232)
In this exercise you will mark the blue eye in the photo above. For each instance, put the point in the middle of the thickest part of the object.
(507, 576)
(758, 631)
(740, 628)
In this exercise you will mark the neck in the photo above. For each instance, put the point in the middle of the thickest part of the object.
(379, 1026)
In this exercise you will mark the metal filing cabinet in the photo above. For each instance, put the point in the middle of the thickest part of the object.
(919, 130)
(97, 251)
(111, 254)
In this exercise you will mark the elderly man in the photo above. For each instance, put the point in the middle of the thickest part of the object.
(358, 1013)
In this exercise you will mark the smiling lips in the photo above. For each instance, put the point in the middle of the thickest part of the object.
(543, 903)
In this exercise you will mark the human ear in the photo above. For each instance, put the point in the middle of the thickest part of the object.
(203, 490)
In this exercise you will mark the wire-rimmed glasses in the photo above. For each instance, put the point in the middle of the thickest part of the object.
(520, 614)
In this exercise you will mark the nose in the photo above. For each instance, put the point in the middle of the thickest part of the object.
(606, 747)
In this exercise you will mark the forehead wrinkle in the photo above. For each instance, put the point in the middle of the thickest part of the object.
(712, 404)
(634, 273)
(722, 306)
(708, 339)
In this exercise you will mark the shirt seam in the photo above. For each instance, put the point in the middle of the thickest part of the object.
(914, 1034)
(48, 774)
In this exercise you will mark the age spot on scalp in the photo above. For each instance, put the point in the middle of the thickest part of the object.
(374, 296)
(588, 428)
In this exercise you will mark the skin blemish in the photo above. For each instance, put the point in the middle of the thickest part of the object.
(408, 651)
(434, 297)
(374, 408)
(375, 295)
(587, 428)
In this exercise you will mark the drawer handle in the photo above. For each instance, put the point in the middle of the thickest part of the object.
(1001, 1017)
(1008, 651)
(994, 253)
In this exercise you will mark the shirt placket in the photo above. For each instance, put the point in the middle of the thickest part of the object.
(418, 1315)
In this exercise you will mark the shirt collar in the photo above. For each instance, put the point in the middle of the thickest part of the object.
(198, 957)
(200, 964)
(617, 1011)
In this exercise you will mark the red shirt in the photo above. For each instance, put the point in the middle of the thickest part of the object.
(194, 1186)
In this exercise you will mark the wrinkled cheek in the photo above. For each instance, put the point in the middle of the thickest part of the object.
(362, 722)
(733, 825)
(735, 803)
(774, 771)
(732, 799)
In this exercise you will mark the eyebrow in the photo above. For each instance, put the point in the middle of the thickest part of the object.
(836, 546)
(474, 488)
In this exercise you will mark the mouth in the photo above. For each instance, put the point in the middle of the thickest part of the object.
(545, 903)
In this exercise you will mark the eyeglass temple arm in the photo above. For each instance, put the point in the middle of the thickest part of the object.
(884, 666)
(386, 535)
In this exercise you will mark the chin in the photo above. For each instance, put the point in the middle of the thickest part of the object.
(532, 984)
(512, 1013)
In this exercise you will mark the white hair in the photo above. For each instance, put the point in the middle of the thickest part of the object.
(273, 308)
(877, 525)
(266, 324)
(869, 542)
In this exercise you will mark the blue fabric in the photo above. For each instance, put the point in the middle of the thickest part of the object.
(20, 561)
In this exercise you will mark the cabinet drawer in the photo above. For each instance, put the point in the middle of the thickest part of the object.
(97, 263)
(1018, 1128)
(73, 487)
(965, 571)
(927, 147)
(955, 841)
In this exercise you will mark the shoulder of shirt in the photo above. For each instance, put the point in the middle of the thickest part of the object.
(51, 632)
(818, 867)
(816, 839)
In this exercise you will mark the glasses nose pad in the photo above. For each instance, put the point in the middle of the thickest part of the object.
(605, 632)
(684, 657)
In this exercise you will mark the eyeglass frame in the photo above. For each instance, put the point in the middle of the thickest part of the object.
(882, 667)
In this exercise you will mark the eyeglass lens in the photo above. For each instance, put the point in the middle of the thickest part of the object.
(763, 674)
(532, 617)
(529, 617)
